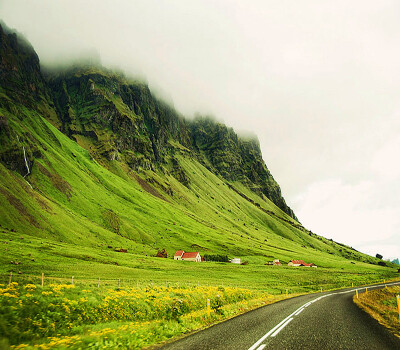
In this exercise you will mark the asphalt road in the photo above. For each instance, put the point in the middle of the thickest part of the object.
(317, 321)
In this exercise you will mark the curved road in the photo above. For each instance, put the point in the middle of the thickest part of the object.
(316, 321)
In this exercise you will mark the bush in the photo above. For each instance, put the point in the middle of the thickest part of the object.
(215, 257)
(216, 305)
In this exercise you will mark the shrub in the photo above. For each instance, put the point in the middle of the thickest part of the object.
(215, 257)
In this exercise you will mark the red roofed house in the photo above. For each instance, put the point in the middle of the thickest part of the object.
(276, 262)
(178, 255)
(300, 263)
(190, 256)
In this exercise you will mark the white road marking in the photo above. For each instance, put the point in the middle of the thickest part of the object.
(265, 336)
(298, 312)
(281, 327)
(274, 331)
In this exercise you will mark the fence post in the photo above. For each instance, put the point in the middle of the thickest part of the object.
(398, 304)
(98, 283)
(10, 279)
(208, 307)
(42, 279)
(357, 293)
(72, 280)
(366, 290)
(287, 292)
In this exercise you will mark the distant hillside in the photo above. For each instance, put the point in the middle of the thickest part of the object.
(92, 159)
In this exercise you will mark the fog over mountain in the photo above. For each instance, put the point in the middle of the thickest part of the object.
(317, 82)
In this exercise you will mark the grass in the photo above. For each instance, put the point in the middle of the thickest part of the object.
(62, 315)
(381, 304)
(64, 260)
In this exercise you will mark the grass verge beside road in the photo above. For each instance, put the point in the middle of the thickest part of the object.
(65, 315)
(381, 304)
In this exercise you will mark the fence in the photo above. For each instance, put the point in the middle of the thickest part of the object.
(45, 280)
(276, 287)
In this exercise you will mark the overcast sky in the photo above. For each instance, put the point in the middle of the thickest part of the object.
(317, 81)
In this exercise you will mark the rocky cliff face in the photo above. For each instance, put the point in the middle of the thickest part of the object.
(118, 119)
(236, 159)
(20, 75)
(22, 87)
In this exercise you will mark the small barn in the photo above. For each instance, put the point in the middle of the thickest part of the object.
(276, 262)
(187, 256)
(235, 261)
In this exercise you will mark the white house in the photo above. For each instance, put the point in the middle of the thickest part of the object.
(235, 261)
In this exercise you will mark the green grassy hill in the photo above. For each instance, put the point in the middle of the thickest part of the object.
(91, 162)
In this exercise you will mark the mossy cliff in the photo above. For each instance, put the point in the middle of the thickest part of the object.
(123, 120)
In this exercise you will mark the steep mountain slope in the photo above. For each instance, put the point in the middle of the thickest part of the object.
(120, 120)
(91, 159)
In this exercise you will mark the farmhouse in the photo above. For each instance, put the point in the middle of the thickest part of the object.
(296, 263)
(300, 263)
(189, 256)
(276, 262)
